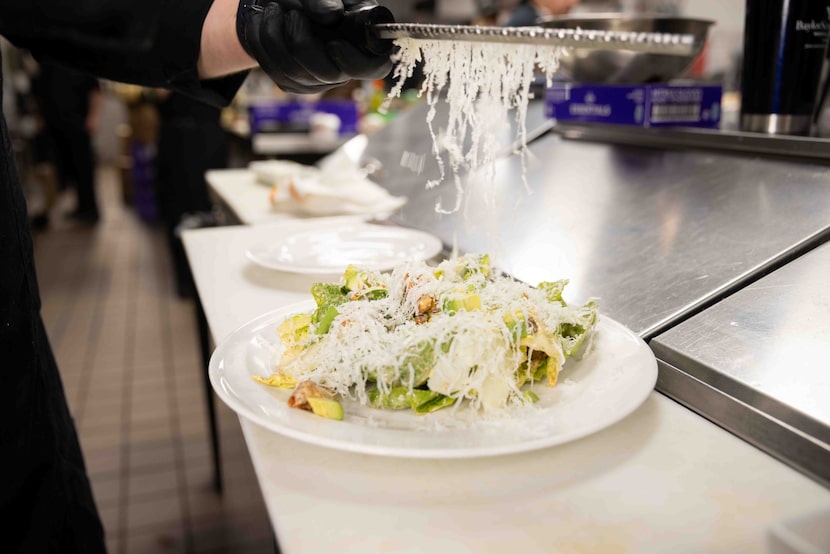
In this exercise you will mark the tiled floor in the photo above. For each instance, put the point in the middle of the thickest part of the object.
(128, 353)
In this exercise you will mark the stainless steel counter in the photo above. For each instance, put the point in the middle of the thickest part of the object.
(409, 134)
(810, 149)
(656, 235)
(758, 363)
(661, 236)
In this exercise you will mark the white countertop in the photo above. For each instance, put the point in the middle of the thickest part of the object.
(242, 195)
(663, 479)
(248, 199)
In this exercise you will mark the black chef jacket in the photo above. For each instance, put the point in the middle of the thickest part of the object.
(45, 500)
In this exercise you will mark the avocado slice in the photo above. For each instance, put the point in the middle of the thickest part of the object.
(326, 407)
(326, 316)
(354, 278)
(468, 302)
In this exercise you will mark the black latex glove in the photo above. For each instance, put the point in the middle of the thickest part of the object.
(296, 43)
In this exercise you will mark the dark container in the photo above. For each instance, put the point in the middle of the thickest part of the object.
(784, 43)
(821, 98)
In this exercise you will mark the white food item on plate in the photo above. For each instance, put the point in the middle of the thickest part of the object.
(335, 188)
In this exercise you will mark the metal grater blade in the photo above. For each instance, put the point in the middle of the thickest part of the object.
(653, 43)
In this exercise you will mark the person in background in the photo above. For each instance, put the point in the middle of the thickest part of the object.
(200, 48)
(191, 142)
(533, 12)
(69, 103)
(493, 13)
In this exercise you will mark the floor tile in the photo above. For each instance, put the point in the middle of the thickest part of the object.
(157, 541)
(150, 455)
(100, 440)
(104, 422)
(232, 532)
(103, 460)
(152, 431)
(256, 546)
(158, 483)
(166, 510)
(129, 356)
(110, 518)
(113, 544)
(107, 492)
(196, 449)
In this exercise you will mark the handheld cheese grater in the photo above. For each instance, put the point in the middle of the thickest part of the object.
(375, 28)
(652, 43)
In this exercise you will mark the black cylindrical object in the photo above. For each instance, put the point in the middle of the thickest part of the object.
(823, 88)
(784, 43)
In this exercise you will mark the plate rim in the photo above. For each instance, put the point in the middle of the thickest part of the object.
(245, 411)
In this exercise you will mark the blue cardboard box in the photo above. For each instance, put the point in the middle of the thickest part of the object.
(684, 105)
(293, 116)
(640, 105)
(619, 104)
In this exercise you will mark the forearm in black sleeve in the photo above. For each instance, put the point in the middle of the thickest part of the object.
(147, 42)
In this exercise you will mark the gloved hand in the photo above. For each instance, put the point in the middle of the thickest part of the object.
(296, 43)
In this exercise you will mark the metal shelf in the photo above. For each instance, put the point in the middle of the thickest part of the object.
(810, 148)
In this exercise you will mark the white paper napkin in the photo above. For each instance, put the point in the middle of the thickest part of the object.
(336, 187)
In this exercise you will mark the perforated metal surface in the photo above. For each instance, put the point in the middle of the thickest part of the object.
(654, 43)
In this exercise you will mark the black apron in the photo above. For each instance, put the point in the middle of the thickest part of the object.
(45, 500)
(46, 503)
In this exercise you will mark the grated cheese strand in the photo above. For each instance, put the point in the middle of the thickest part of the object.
(481, 82)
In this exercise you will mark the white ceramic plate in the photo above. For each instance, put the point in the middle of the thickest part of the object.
(601, 389)
(327, 246)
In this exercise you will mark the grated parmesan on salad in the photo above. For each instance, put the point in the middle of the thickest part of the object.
(424, 338)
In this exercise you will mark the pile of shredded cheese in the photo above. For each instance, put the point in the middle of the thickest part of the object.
(462, 313)
(481, 83)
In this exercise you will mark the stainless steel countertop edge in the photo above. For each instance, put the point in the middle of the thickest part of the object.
(743, 392)
(776, 438)
(742, 281)
(809, 148)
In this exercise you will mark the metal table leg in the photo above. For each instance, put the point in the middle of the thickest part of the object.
(204, 346)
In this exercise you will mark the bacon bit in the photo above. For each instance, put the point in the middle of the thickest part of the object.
(425, 304)
(409, 284)
(304, 391)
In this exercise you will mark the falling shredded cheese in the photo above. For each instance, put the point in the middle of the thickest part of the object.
(481, 83)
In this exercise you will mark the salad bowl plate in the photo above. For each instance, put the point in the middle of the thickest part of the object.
(608, 383)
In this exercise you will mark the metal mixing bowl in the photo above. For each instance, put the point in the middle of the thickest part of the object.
(625, 66)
